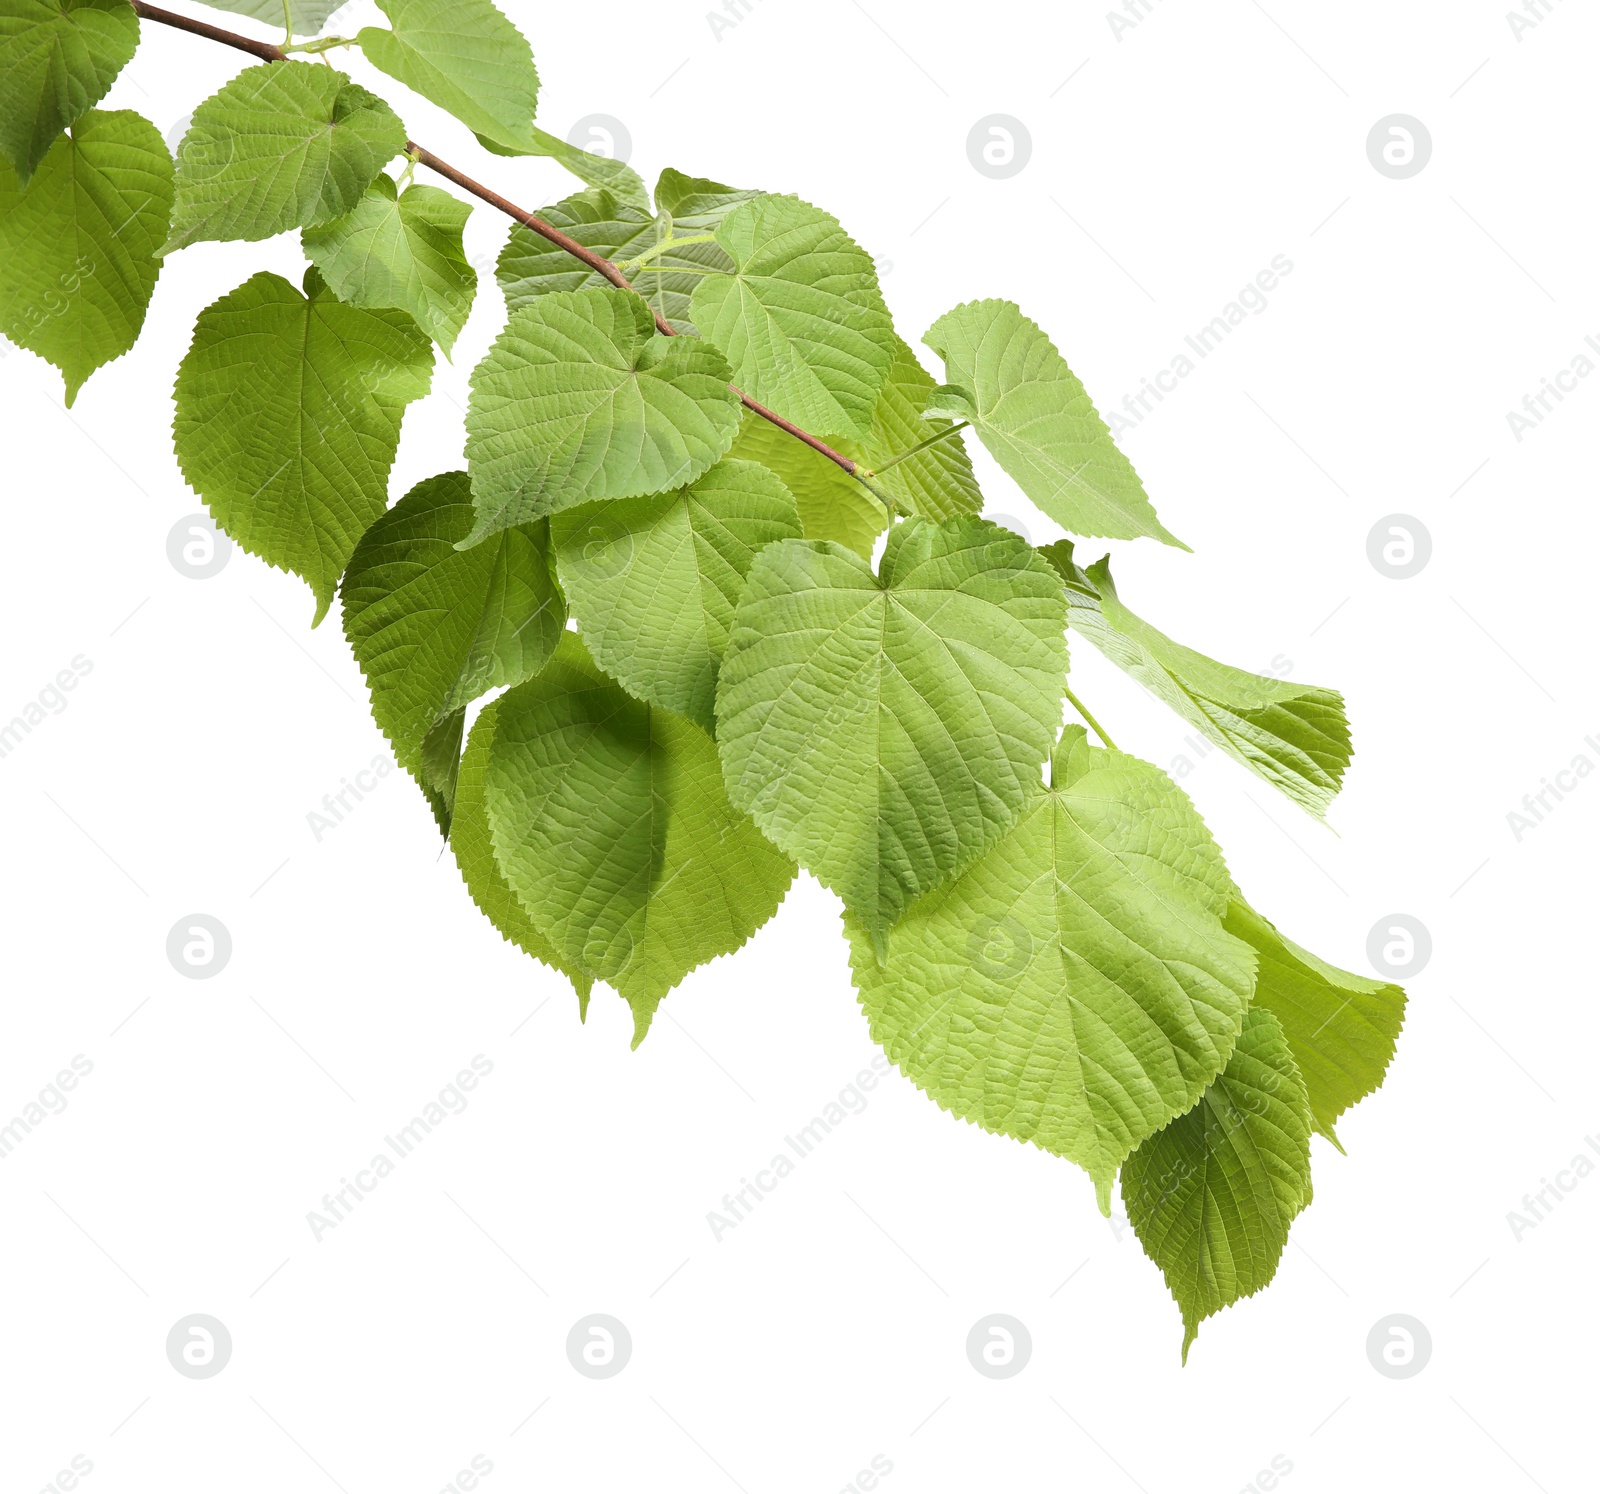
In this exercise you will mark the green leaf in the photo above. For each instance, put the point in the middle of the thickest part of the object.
(434, 627)
(1294, 736)
(306, 17)
(1075, 986)
(530, 266)
(57, 58)
(288, 417)
(883, 729)
(78, 246)
(611, 825)
(283, 145)
(937, 483)
(1029, 409)
(596, 170)
(619, 230)
(801, 317)
(486, 883)
(695, 204)
(580, 397)
(655, 579)
(462, 55)
(439, 767)
(833, 505)
(403, 252)
(1212, 1196)
(1341, 1028)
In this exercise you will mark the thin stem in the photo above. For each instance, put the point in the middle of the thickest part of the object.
(600, 265)
(288, 26)
(639, 261)
(911, 451)
(1083, 711)
(321, 44)
(264, 50)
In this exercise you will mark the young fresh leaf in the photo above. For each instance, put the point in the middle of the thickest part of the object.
(78, 245)
(530, 266)
(462, 55)
(619, 230)
(306, 17)
(57, 58)
(1029, 409)
(595, 170)
(400, 251)
(325, 384)
(1295, 736)
(833, 505)
(655, 579)
(695, 204)
(580, 397)
(283, 145)
(611, 826)
(1341, 1028)
(434, 627)
(883, 729)
(1075, 986)
(937, 482)
(474, 853)
(800, 317)
(1212, 1196)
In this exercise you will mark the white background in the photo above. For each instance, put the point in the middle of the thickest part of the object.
(1167, 168)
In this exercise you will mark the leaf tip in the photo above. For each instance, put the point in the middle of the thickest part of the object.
(641, 1028)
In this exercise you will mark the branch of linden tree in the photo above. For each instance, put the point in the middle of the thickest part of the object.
(603, 267)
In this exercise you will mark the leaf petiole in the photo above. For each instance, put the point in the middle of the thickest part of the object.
(1083, 711)
(321, 44)
(644, 258)
(911, 451)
